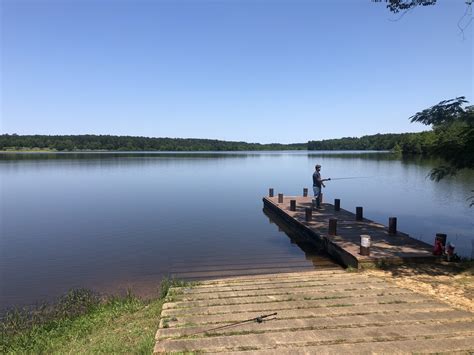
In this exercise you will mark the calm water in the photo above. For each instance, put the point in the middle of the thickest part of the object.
(117, 221)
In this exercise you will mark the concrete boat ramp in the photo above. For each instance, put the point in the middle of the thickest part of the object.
(323, 312)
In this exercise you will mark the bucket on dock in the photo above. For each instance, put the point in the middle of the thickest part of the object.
(365, 244)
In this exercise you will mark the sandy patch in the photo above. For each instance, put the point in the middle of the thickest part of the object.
(447, 282)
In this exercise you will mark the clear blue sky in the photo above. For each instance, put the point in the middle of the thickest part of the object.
(251, 70)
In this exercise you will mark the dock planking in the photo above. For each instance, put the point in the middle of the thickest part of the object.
(344, 246)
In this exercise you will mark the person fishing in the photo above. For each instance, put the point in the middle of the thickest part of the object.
(318, 182)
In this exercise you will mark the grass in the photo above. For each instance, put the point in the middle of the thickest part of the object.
(341, 305)
(393, 302)
(351, 269)
(85, 322)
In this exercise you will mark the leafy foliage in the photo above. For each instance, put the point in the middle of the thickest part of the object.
(404, 142)
(453, 126)
(442, 113)
(396, 6)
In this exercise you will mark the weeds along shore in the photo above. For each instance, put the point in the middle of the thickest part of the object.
(84, 321)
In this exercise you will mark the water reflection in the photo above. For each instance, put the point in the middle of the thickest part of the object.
(314, 253)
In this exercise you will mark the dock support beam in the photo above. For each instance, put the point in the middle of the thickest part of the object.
(392, 225)
(308, 214)
(359, 214)
(280, 198)
(305, 192)
(270, 192)
(337, 204)
(332, 226)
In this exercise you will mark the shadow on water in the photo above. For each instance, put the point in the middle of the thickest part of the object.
(313, 253)
(261, 263)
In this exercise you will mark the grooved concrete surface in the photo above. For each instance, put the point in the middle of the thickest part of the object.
(323, 312)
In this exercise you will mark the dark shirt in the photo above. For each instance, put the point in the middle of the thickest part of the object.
(317, 179)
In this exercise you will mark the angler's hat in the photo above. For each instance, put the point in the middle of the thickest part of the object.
(318, 166)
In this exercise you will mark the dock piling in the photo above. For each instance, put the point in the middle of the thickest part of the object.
(305, 192)
(337, 204)
(392, 225)
(280, 198)
(332, 226)
(308, 214)
(270, 192)
(292, 205)
(359, 214)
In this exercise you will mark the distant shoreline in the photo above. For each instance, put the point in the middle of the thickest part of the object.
(402, 142)
(44, 151)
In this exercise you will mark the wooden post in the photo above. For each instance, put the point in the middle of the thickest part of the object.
(365, 244)
(305, 192)
(292, 205)
(308, 214)
(337, 204)
(332, 226)
(270, 192)
(392, 225)
(280, 198)
(359, 214)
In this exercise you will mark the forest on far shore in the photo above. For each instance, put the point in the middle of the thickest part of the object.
(409, 143)
(130, 143)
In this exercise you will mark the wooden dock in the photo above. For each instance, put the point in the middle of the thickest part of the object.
(344, 246)
(317, 312)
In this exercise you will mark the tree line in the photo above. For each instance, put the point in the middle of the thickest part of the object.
(129, 143)
(406, 143)
(425, 143)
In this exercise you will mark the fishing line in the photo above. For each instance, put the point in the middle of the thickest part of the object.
(351, 177)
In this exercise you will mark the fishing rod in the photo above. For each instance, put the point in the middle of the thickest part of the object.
(349, 178)
(259, 319)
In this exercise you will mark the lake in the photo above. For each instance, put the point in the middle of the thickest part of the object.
(118, 221)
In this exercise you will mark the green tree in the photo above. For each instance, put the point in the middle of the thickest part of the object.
(453, 124)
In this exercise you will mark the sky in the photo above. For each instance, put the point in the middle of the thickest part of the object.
(242, 70)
